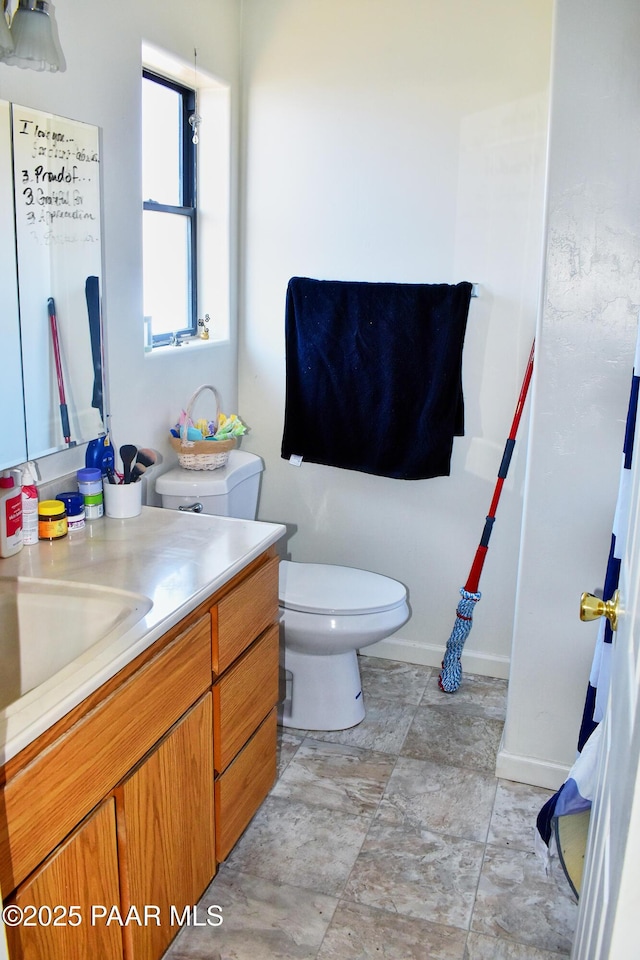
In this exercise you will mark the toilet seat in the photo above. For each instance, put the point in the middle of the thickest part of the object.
(323, 588)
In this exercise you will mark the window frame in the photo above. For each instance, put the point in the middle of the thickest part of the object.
(188, 208)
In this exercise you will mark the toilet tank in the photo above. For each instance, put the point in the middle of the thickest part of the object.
(229, 491)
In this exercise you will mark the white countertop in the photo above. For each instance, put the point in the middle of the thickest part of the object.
(175, 559)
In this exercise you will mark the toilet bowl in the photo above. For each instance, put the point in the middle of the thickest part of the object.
(328, 612)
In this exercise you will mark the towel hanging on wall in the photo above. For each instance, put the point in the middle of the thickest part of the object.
(374, 375)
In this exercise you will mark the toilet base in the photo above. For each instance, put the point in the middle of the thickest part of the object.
(326, 693)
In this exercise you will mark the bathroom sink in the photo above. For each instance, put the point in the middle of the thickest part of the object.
(47, 624)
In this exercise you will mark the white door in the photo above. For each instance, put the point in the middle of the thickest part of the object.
(609, 916)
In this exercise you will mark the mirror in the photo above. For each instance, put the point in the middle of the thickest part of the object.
(13, 439)
(51, 262)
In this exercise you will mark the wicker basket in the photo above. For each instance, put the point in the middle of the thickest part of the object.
(202, 454)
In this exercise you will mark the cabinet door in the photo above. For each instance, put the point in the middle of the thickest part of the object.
(166, 831)
(57, 900)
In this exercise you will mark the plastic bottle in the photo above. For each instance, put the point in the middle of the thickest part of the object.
(10, 515)
(90, 486)
(74, 502)
(100, 455)
(29, 507)
(108, 461)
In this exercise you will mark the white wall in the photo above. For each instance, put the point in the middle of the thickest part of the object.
(101, 85)
(399, 140)
(586, 343)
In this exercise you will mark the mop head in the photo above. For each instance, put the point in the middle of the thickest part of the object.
(451, 673)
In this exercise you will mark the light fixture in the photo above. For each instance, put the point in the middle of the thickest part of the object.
(6, 41)
(33, 40)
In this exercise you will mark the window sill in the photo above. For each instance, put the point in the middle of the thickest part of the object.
(189, 344)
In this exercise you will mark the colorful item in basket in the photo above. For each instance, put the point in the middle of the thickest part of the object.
(224, 428)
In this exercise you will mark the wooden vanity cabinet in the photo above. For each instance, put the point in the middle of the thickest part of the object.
(134, 797)
(240, 790)
(244, 696)
(59, 786)
(245, 693)
(58, 898)
(243, 613)
(166, 831)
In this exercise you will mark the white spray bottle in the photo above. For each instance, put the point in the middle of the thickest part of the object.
(10, 513)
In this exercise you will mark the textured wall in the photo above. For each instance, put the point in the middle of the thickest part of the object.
(586, 342)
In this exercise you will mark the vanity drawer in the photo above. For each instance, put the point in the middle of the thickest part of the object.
(42, 803)
(243, 614)
(244, 696)
(244, 785)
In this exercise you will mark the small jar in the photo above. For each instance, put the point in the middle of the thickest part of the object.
(93, 506)
(90, 486)
(52, 520)
(74, 504)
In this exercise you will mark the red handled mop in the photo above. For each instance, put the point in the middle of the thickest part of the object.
(64, 413)
(451, 673)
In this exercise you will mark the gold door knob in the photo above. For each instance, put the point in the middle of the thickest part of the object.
(593, 607)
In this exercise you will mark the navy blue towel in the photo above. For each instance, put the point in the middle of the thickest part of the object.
(374, 375)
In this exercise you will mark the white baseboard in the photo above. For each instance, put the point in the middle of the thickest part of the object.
(539, 773)
(429, 655)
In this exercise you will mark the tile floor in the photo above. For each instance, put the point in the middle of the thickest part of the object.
(391, 840)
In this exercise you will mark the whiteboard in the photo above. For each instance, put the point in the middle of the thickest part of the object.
(57, 195)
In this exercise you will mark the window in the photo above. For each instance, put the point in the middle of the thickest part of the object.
(183, 282)
(169, 210)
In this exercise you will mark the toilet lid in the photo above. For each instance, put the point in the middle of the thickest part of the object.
(325, 588)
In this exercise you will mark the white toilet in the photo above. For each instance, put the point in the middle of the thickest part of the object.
(328, 612)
